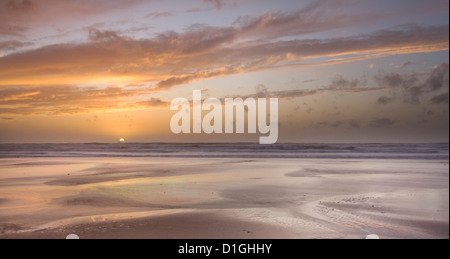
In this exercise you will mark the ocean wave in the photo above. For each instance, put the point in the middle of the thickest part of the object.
(244, 150)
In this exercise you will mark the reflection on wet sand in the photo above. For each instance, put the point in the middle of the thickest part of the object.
(223, 198)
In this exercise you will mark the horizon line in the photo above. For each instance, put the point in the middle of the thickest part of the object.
(231, 143)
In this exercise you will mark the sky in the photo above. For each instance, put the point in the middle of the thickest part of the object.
(343, 70)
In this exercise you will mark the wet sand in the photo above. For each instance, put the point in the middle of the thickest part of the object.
(223, 198)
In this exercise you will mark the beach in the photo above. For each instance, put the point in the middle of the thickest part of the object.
(223, 197)
(220, 119)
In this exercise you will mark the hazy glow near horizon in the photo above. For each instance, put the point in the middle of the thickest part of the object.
(344, 71)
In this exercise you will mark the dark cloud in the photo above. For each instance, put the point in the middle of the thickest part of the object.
(261, 91)
(384, 100)
(413, 87)
(218, 4)
(197, 39)
(153, 102)
(290, 94)
(95, 118)
(390, 80)
(354, 124)
(381, 123)
(195, 10)
(413, 94)
(13, 44)
(108, 36)
(321, 124)
(8, 29)
(338, 85)
(19, 5)
(438, 78)
(19, 16)
(158, 14)
(398, 81)
(439, 99)
(173, 81)
(308, 81)
(336, 124)
(341, 82)
(316, 16)
(407, 64)
(14, 15)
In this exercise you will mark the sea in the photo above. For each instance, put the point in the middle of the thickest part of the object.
(230, 150)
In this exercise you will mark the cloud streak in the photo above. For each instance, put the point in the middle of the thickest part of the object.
(49, 79)
(205, 49)
(381, 123)
(442, 98)
(67, 99)
(17, 17)
(13, 45)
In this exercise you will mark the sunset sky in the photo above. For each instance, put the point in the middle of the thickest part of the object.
(343, 70)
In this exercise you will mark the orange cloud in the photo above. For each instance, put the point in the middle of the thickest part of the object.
(49, 79)
(51, 100)
(209, 52)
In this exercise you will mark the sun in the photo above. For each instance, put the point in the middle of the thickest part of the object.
(122, 140)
